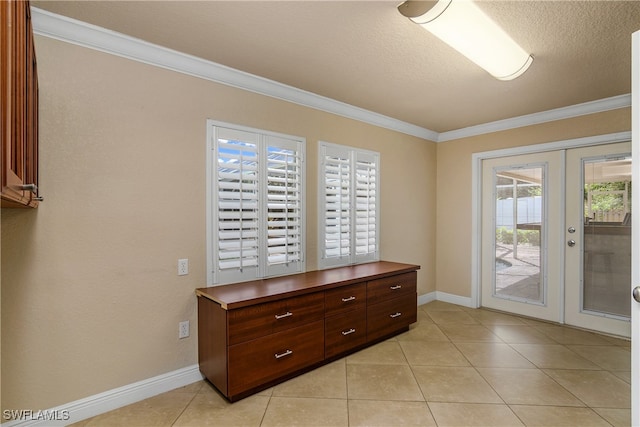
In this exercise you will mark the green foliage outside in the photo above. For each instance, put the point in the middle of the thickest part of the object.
(504, 235)
(606, 202)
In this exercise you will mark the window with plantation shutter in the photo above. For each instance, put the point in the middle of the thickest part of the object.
(255, 204)
(348, 208)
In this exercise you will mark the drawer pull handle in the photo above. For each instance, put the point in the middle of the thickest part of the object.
(393, 316)
(393, 288)
(349, 332)
(282, 316)
(286, 353)
(351, 298)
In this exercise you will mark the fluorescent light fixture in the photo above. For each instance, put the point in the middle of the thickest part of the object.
(463, 26)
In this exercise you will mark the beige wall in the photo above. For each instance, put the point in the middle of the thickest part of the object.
(454, 184)
(90, 296)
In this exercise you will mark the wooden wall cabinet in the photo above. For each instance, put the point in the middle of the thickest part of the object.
(19, 107)
(256, 334)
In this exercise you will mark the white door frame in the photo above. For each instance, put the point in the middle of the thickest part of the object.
(476, 193)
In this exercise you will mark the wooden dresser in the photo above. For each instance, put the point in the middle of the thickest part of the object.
(255, 334)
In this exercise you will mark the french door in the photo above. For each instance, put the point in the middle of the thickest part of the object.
(598, 238)
(556, 236)
(521, 255)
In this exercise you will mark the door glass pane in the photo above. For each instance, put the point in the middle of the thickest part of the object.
(519, 227)
(606, 274)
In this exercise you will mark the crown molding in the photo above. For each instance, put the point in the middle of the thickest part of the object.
(93, 37)
(606, 104)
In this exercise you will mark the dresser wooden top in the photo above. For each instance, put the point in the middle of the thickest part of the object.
(258, 291)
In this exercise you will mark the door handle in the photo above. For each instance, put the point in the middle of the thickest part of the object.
(571, 243)
(636, 293)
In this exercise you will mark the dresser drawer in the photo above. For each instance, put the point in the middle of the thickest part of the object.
(345, 332)
(259, 361)
(264, 319)
(391, 316)
(343, 299)
(391, 287)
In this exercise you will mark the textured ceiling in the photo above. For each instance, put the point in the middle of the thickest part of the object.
(366, 54)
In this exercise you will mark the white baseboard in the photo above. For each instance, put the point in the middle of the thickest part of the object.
(109, 400)
(445, 297)
(426, 298)
(454, 299)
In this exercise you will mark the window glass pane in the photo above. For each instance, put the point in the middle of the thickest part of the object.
(606, 271)
(519, 220)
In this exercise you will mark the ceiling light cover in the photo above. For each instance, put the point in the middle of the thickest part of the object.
(463, 26)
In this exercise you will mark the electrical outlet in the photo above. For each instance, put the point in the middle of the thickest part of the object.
(183, 329)
(183, 267)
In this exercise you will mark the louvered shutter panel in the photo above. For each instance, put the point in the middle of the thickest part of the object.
(336, 192)
(283, 205)
(349, 205)
(366, 202)
(238, 204)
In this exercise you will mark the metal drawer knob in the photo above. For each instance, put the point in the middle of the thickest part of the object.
(349, 332)
(351, 298)
(394, 315)
(393, 288)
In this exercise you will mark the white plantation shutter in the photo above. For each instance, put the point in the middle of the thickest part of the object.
(255, 204)
(237, 204)
(348, 205)
(284, 205)
(366, 191)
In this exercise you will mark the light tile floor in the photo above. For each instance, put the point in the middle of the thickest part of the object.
(454, 367)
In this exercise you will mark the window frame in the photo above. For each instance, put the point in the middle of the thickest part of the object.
(354, 156)
(267, 145)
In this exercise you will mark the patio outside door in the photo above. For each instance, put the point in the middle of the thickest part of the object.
(598, 238)
(522, 208)
(573, 269)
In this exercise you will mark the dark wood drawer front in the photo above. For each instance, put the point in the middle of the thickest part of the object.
(264, 319)
(343, 299)
(391, 287)
(344, 332)
(390, 316)
(258, 361)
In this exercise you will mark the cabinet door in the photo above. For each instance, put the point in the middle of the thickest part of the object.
(19, 107)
